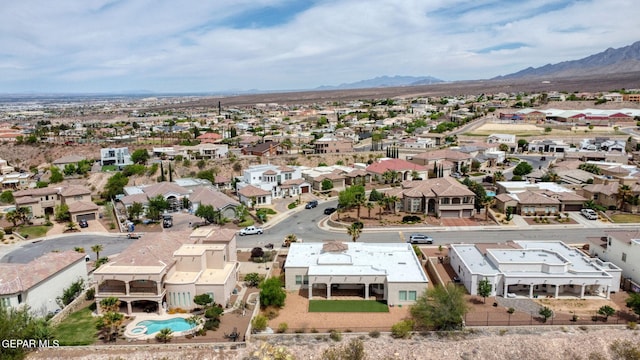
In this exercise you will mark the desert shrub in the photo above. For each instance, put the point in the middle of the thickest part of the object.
(272, 313)
(354, 350)
(374, 334)
(90, 294)
(335, 335)
(411, 219)
(282, 327)
(632, 325)
(511, 310)
(211, 324)
(259, 322)
(402, 329)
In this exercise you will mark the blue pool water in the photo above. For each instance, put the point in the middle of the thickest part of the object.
(491, 193)
(175, 324)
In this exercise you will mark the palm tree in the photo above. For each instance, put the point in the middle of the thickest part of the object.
(394, 176)
(392, 203)
(193, 321)
(487, 202)
(96, 249)
(164, 335)
(108, 323)
(354, 231)
(369, 205)
(359, 201)
(241, 212)
(71, 226)
(110, 304)
(624, 192)
(381, 204)
(414, 175)
(23, 213)
(498, 176)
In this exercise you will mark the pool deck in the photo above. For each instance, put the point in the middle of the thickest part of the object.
(153, 317)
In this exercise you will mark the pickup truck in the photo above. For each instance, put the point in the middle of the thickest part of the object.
(251, 230)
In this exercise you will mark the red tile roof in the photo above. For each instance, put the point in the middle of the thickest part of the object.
(394, 164)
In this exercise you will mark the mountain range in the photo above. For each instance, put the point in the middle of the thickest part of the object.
(611, 61)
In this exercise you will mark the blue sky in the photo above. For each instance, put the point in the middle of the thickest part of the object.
(220, 45)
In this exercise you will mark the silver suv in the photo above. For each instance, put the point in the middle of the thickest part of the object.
(420, 239)
(589, 214)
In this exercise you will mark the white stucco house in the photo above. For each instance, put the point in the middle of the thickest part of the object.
(280, 181)
(119, 157)
(622, 248)
(533, 269)
(389, 271)
(39, 283)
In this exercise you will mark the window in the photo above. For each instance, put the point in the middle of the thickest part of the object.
(305, 280)
(19, 298)
(624, 257)
(412, 295)
(445, 201)
(403, 295)
(298, 279)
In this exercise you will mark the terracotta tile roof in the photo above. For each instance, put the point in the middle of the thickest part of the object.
(504, 197)
(130, 199)
(293, 182)
(285, 169)
(82, 206)
(608, 189)
(270, 172)
(564, 196)
(533, 197)
(250, 190)
(153, 249)
(75, 190)
(330, 176)
(26, 200)
(394, 164)
(36, 192)
(211, 135)
(209, 196)
(436, 187)
(15, 278)
(356, 173)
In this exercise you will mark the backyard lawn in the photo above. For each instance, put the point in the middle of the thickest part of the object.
(625, 218)
(78, 329)
(347, 306)
(31, 232)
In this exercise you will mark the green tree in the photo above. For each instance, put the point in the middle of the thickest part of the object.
(135, 210)
(157, 205)
(375, 195)
(327, 184)
(484, 289)
(606, 311)
(96, 249)
(241, 212)
(347, 197)
(69, 169)
(253, 279)
(56, 175)
(61, 213)
(21, 324)
(523, 168)
(115, 185)
(203, 300)
(165, 335)
(546, 313)
(7, 197)
(440, 308)
(522, 144)
(208, 213)
(140, 156)
(633, 302)
(354, 231)
(272, 293)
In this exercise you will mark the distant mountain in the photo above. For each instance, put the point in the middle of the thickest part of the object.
(610, 61)
(385, 81)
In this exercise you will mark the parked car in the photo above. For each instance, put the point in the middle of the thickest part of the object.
(167, 221)
(134, 235)
(589, 214)
(329, 211)
(83, 223)
(311, 204)
(420, 239)
(251, 230)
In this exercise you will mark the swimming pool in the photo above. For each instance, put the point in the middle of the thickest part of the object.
(490, 193)
(153, 326)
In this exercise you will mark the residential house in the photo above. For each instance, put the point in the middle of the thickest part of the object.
(548, 146)
(417, 143)
(66, 160)
(38, 283)
(621, 247)
(440, 197)
(275, 179)
(209, 138)
(5, 168)
(15, 180)
(533, 269)
(389, 272)
(119, 157)
(78, 199)
(431, 159)
(254, 196)
(402, 170)
(167, 270)
(543, 198)
(267, 148)
(333, 145)
(205, 195)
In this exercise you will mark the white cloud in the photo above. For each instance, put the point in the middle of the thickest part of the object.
(207, 46)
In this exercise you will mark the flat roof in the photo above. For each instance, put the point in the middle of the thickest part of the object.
(196, 249)
(396, 261)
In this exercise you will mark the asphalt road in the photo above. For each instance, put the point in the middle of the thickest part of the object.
(29, 251)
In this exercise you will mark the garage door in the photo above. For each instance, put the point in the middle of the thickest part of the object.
(449, 214)
(466, 213)
(573, 207)
(87, 217)
(305, 189)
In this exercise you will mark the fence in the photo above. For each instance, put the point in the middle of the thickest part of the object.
(78, 303)
(521, 319)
